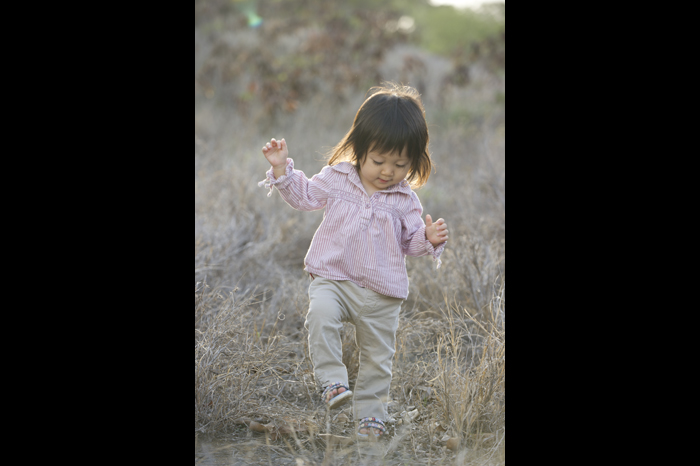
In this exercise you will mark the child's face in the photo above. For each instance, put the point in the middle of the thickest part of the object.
(382, 171)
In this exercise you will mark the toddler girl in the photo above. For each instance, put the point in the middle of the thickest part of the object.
(357, 260)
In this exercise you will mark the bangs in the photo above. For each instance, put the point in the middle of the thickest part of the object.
(387, 133)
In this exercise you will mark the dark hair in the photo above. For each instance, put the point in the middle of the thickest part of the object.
(391, 119)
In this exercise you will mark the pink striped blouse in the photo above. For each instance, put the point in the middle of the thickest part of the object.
(363, 240)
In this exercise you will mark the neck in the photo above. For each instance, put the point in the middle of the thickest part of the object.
(371, 190)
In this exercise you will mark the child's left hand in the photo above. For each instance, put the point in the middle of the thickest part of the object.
(436, 233)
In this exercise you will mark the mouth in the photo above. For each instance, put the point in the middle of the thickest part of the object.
(383, 181)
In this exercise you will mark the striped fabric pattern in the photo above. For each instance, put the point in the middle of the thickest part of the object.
(363, 240)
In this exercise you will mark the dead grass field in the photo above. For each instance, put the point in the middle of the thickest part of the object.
(252, 369)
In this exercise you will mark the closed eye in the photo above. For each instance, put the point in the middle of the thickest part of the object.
(401, 166)
(377, 163)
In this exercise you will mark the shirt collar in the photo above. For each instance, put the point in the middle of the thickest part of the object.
(350, 170)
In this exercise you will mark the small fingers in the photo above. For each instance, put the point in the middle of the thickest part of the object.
(275, 144)
(442, 231)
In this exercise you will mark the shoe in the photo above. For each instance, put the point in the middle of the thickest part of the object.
(369, 423)
(339, 400)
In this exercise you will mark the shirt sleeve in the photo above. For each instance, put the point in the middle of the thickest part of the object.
(298, 191)
(414, 241)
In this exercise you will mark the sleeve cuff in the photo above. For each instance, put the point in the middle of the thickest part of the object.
(436, 252)
(271, 182)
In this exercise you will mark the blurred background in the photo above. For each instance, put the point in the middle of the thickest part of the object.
(262, 60)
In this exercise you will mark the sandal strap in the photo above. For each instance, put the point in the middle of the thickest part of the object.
(372, 422)
(334, 386)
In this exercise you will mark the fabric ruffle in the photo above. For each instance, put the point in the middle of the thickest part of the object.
(271, 181)
(436, 252)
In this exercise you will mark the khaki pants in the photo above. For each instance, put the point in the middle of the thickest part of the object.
(376, 318)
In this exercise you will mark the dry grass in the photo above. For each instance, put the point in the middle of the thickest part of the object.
(251, 353)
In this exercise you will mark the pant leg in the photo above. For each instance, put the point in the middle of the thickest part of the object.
(327, 312)
(376, 327)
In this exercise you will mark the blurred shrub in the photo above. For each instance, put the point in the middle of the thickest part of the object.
(262, 57)
(302, 48)
(447, 31)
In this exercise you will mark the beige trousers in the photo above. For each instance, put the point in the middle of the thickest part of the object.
(376, 319)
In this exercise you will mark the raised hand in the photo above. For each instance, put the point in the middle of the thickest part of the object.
(437, 232)
(276, 152)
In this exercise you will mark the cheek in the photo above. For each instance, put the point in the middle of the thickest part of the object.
(367, 171)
